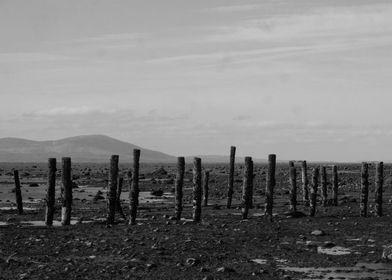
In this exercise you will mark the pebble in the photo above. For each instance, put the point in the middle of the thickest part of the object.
(318, 232)
(225, 269)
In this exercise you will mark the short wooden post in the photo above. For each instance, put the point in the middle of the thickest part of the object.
(67, 195)
(247, 187)
(18, 192)
(111, 195)
(269, 191)
(197, 190)
(335, 185)
(324, 186)
(205, 187)
(118, 197)
(379, 187)
(51, 191)
(179, 184)
(305, 182)
(231, 177)
(364, 189)
(134, 190)
(313, 192)
(293, 189)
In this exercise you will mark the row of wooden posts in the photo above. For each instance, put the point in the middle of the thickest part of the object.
(200, 192)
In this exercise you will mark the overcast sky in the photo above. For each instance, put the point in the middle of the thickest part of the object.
(304, 79)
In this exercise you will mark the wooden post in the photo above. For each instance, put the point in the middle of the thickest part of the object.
(231, 177)
(247, 187)
(269, 192)
(293, 189)
(179, 184)
(67, 195)
(313, 192)
(18, 192)
(364, 189)
(134, 190)
(324, 185)
(51, 191)
(205, 188)
(305, 182)
(111, 195)
(118, 197)
(197, 190)
(379, 187)
(335, 185)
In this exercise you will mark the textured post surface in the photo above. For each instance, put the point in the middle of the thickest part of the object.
(67, 191)
(335, 185)
(364, 189)
(197, 190)
(305, 182)
(313, 192)
(231, 177)
(379, 187)
(111, 195)
(179, 184)
(134, 191)
(324, 184)
(18, 192)
(293, 189)
(269, 191)
(118, 197)
(247, 187)
(51, 191)
(205, 187)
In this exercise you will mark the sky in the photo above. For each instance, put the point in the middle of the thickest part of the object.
(303, 79)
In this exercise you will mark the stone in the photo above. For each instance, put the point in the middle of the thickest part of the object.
(318, 232)
(387, 253)
(225, 269)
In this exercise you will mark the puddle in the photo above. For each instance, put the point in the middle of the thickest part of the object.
(15, 209)
(334, 251)
(55, 223)
(381, 271)
(259, 261)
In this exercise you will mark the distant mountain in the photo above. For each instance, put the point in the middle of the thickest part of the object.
(88, 148)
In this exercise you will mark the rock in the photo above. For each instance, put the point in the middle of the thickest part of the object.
(192, 262)
(387, 253)
(209, 277)
(295, 214)
(156, 192)
(225, 269)
(159, 172)
(328, 244)
(33, 185)
(318, 232)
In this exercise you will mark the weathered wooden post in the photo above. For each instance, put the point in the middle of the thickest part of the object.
(364, 189)
(118, 197)
(247, 187)
(134, 190)
(231, 177)
(205, 187)
(197, 190)
(335, 185)
(18, 192)
(179, 184)
(111, 195)
(67, 195)
(379, 187)
(293, 189)
(269, 191)
(51, 191)
(305, 182)
(313, 192)
(324, 186)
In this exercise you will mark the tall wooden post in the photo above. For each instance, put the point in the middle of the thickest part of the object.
(134, 191)
(269, 191)
(197, 190)
(179, 184)
(379, 187)
(231, 177)
(118, 197)
(293, 189)
(324, 186)
(364, 189)
(67, 195)
(205, 187)
(335, 185)
(111, 196)
(247, 187)
(51, 191)
(305, 182)
(313, 192)
(18, 192)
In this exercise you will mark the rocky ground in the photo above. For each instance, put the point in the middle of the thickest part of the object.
(222, 246)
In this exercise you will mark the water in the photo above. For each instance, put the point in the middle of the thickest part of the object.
(334, 251)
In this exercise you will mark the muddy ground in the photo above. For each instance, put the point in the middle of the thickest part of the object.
(222, 246)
